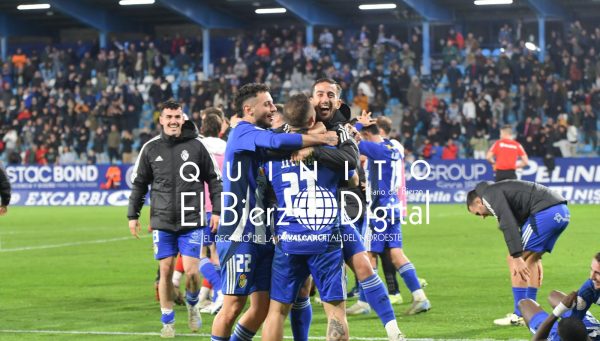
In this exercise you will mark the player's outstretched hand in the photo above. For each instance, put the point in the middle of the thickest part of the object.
(3, 210)
(569, 300)
(214, 223)
(331, 138)
(135, 228)
(520, 268)
(365, 119)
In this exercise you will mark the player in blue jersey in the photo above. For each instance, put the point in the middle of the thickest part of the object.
(328, 107)
(383, 232)
(589, 293)
(242, 238)
(575, 306)
(307, 230)
(544, 326)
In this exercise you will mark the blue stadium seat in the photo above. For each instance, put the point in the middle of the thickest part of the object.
(486, 52)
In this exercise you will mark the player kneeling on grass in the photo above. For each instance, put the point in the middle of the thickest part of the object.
(308, 233)
(532, 217)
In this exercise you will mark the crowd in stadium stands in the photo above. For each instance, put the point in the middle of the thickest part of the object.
(91, 105)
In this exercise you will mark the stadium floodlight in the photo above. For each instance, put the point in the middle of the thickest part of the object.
(367, 7)
(135, 2)
(492, 2)
(270, 10)
(531, 46)
(32, 6)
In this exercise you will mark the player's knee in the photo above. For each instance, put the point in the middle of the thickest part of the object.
(191, 271)
(257, 314)
(230, 312)
(362, 267)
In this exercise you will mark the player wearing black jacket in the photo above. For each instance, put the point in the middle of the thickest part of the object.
(531, 217)
(4, 192)
(176, 165)
(330, 111)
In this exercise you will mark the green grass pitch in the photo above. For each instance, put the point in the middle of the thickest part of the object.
(77, 269)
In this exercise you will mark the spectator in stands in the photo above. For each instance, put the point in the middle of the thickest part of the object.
(113, 142)
(450, 151)
(127, 147)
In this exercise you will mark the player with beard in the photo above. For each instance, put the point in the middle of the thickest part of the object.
(326, 101)
(243, 240)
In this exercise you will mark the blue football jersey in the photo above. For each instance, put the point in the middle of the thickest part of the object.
(242, 181)
(586, 296)
(384, 172)
(307, 217)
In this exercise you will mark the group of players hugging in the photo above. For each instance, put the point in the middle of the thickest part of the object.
(296, 195)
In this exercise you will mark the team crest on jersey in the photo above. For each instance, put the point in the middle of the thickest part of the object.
(243, 281)
(185, 155)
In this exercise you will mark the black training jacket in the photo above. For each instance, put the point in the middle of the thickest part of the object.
(158, 165)
(512, 202)
(4, 189)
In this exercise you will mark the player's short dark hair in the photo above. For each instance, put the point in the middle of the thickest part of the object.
(211, 125)
(373, 129)
(597, 257)
(170, 104)
(327, 80)
(246, 92)
(471, 196)
(213, 111)
(572, 329)
(507, 127)
(296, 110)
(384, 123)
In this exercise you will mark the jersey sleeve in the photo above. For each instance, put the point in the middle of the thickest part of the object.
(372, 150)
(268, 139)
(520, 150)
(494, 148)
(585, 299)
(253, 137)
(141, 177)
(496, 202)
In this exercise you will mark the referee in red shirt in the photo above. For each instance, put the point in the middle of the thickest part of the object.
(504, 155)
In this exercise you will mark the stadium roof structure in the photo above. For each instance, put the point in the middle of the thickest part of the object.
(108, 15)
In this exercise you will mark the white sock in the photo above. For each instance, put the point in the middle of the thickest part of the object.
(419, 295)
(177, 278)
(204, 292)
(392, 329)
(166, 311)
